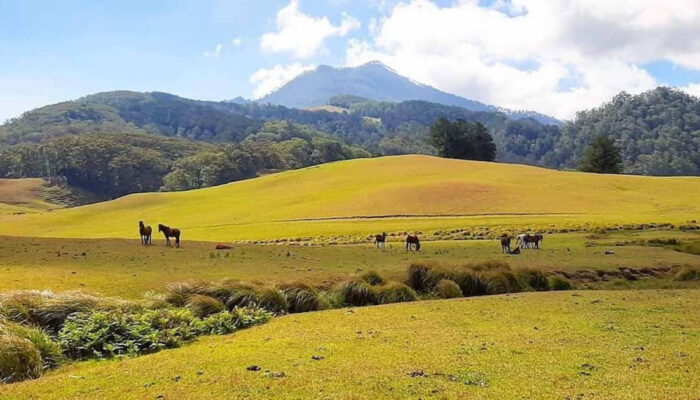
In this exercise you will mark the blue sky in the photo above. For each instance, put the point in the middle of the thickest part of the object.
(54, 51)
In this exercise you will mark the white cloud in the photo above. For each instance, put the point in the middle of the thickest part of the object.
(693, 88)
(237, 42)
(555, 57)
(303, 35)
(267, 80)
(214, 54)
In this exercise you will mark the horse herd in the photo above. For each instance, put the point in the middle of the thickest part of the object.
(523, 241)
(146, 234)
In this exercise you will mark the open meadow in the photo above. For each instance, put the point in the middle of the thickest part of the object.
(81, 298)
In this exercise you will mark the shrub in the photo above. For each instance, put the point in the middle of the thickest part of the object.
(358, 293)
(471, 283)
(50, 351)
(203, 306)
(19, 359)
(178, 294)
(300, 297)
(330, 299)
(688, 273)
(273, 300)
(373, 278)
(490, 265)
(447, 289)
(424, 277)
(503, 282)
(395, 292)
(534, 279)
(239, 294)
(244, 317)
(558, 282)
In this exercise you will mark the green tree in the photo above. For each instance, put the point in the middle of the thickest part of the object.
(602, 156)
(462, 139)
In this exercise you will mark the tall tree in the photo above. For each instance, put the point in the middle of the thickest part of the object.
(462, 139)
(602, 156)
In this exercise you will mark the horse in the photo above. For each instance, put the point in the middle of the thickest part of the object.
(505, 244)
(520, 241)
(145, 232)
(380, 239)
(169, 232)
(533, 240)
(412, 240)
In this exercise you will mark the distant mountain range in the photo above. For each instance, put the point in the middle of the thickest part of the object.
(374, 81)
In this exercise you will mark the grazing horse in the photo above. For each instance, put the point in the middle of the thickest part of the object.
(520, 240)
(412, 240)
(169, 232)
(380, 239)
(505, 244)
(533, 240)
(145, 232)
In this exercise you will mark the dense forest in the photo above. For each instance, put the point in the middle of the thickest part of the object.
(123, 142)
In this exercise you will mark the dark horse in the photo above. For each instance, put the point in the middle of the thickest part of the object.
(145, 232)
(533, 240)
(380, 239)
(412, 240)
(505, 244)
(169, 232)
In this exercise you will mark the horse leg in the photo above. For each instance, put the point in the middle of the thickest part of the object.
(177, 241)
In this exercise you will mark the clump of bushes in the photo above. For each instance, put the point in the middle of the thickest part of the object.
(300, 297)
(471, 283)
(19, 359)
(505, 281)
(49, 350)
(273, 300)
(558, 282)
(373, 278)
(203, 306)
(533, 279)
(358, 293)
(447, 289)
(395, 292)
(688, 273)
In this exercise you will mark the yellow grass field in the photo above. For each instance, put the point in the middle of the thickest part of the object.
(555, 345)
(392, 194)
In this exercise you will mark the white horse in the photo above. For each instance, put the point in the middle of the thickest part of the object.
(520, 241)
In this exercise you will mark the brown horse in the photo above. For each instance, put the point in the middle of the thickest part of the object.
(533, 240)
(505, 244)
(146, 233)
(380, 239)
(411, 241)
(169, 232)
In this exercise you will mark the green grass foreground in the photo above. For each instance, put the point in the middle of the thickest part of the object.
(602, 344)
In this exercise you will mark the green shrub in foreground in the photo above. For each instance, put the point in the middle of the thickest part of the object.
(358, 293)
(373, 278)
(395, 292)
(19, 359)
(447, 289)
(558, 282)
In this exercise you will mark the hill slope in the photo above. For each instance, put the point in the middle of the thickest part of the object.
(388, 193)
(20, 196)
(373, 81)
(610, 345)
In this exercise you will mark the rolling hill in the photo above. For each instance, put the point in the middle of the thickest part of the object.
(21, 196)
(377, 82)
(390, 194)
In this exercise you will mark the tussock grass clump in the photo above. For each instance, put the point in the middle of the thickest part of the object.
(300, 297)
(358, 293)
(330, 299)
(558, 282)
(447, 289)
(19, 359)
(504, 281)
(373, 278)
(471, 283)
(237, 294)
(178, 294)
(202, 305)
(534, 279)
(423, 277)
(49, 350)
(395, 292)
(273, 300)
(489, 265)
(688, 273)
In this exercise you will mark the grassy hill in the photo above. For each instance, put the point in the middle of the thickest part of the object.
(539, 345)
(392, 194)
(20, 196)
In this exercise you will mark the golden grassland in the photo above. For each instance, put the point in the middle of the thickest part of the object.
(19, 196)
(392, 194)
(582, 344)
(125, 268)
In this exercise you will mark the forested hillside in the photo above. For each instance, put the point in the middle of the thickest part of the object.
(658, 132)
